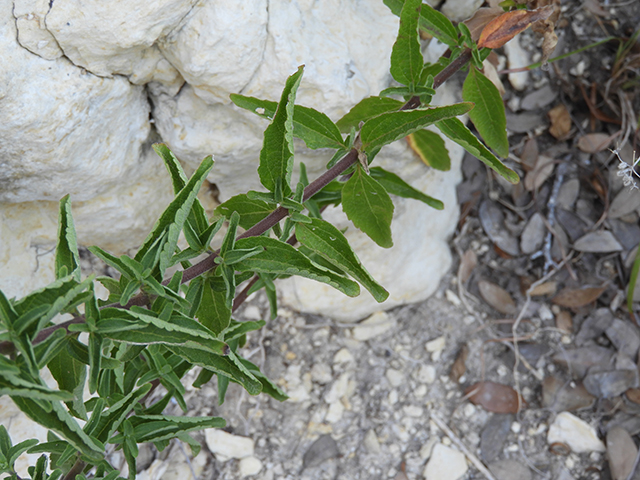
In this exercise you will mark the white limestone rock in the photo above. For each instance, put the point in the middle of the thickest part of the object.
(375, 325)
(32, 31)
(460, 10)
(219, 47)
(445, 462)
(118, 37)
(226, 446)
(64, 130)
(249, 466)
(578, 434)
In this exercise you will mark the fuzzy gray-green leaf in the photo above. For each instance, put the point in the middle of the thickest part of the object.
(67, 256)
(276, 156)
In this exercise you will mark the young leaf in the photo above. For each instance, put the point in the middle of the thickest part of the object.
(314, 128)
(431, 20)
(367, 108)
(282, 259)
(367, 204)
(488, 115)
(173, 218)
(406, 57)
(459, 133)
(329, 242)
(431, 149)
(276, 156)
(392, 126)
(250, 211)
(67, 256)
(394, 185)
(8, 314)
(197, 217)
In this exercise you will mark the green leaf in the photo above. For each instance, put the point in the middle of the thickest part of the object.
(276, 156)
(406, 58)
(368, 205)
(173, 218)
(282, 259)
(213, 312)
(238, 329)
(62, 423)
(197, 217)
(71, 376)
(329, 242)
(314, 128)
(219, 364)
(488, 115)
(250, 211)
(155, 428)
(394, 185)
(102, 425)
(60, 295)
(8, 314)
(459, 133)
(67, 256)
(392, 126)
(431, 149)
(431, 20)
(14, 385)
(18, 449)
(366, 109)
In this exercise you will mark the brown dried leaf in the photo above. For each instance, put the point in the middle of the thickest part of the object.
(564, 321)
(561, 396)
(459, 368)
(468, 262)
(633, 394)
(560, 121)
(480, 20)
(497, 297)
(594, 7)
(577, 297)
(543, 170)
(546, 27)
(495, 397)
(547, 288)
(594, 142)
(503, 28)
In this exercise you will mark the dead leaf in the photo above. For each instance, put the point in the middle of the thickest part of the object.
(621, 452)
(564, 321)
(594, 7)
(577, 297)
(497, 297)
(543, 170)
(560, 396)
(633, 394)
(459, 368)
(480, 19)
(529, 155)
(595, 142)
(560, 121)
(547, 26)
(601, 241)
(547, 288)
(468, 262)
(503, 28)
(495, 397)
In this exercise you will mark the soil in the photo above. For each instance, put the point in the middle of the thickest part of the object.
(375, 407)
